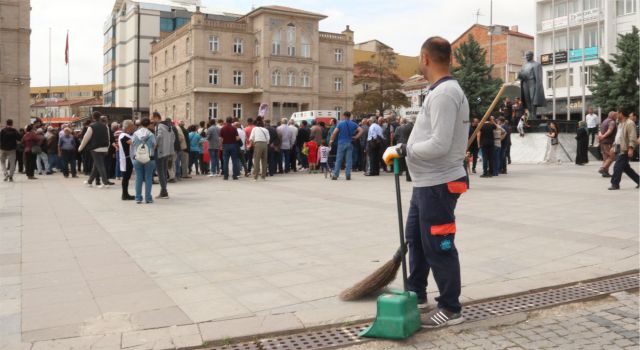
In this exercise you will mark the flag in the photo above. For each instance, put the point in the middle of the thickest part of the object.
(66, 51)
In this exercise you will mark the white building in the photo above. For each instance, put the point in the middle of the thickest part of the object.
(128, 32)
(569, 28)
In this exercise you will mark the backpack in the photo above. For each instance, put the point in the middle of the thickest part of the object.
(142, 153)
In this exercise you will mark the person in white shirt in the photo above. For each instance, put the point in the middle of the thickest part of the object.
(243, 149)
(593, 123)
(259, 141)
(375, 139)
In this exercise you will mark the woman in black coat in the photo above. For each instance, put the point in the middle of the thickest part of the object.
(582, 139)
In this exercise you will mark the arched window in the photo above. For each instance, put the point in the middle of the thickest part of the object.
(165, 86)
(173, 54)
(306, 79)
(291, 78)
(187, 78)
(173, 83)
(187, 46)
(276, 78)
(275, 42)
(291, 39)
(256, 78)
(238, 46)
(305, 46)
(256, 48)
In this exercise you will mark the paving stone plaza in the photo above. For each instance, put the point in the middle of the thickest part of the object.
(81, 269)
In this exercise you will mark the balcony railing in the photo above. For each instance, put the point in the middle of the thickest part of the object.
(333, 36)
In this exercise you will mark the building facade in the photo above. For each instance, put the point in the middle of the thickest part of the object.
(572, 35)
(15, 79)
(274, 57)
(62, 92)
(128, 32)
(505, 49)
(408, 66)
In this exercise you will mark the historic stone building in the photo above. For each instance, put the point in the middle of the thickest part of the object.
(274, 57)
(15, 35)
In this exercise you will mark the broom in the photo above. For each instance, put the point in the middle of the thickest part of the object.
(379, 279)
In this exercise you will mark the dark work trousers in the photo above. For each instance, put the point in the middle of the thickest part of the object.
(430, 233)
(162, 165)
(332, 156)
(278, 155)
(504, 151)
(68, 160)
(126, 176)
(404, 168)
(622, 166)
(271, 160)
(99, 169)
(30, 163)
(20, 160)
(249, 158)
(474, 153)
(593, 132)
(374, 158)
(487, 164)
(293, 156)
(87, 162)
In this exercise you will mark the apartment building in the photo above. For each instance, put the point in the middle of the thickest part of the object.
(571, 37)
(62, 92)
(15, 78)
(273, 59)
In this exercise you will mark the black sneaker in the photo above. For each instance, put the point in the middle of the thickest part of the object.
(441, 318)
(333, 177)
(614, 188)
(348, 178)
(11, 179)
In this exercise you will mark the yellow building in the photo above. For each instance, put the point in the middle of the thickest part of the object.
(40, 93)
(408, 66)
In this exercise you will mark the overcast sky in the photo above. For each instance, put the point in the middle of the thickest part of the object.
(403, 25)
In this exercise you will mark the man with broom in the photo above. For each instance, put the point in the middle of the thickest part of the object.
(434, 155)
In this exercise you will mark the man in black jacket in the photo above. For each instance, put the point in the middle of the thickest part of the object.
(9, 138)
(301, 139)
(274, 147)
(97, 140)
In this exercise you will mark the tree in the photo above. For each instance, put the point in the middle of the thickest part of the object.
(382, 84)
(618, 87)
(474, 76)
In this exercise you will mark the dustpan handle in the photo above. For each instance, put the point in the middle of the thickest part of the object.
(403, 247)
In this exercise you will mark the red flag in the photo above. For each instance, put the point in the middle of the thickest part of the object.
(66, 51)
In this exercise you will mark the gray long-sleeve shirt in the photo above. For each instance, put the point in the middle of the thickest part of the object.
(438, 141)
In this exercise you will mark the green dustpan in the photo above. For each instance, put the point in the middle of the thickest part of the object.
(397, 315)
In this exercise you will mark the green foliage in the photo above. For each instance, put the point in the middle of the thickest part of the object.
(378, 74)
(616, 84)
(474, 76)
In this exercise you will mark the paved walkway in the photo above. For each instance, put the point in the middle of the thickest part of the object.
(609, 324)
(227, 259)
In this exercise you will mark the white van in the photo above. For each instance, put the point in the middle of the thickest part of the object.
(317, 115)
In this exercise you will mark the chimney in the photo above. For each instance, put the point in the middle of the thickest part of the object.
(348, 33)
(513, 28)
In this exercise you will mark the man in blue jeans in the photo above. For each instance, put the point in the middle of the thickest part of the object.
(346, 131)
(230, 138)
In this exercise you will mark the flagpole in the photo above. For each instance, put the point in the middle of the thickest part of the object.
(68, 68)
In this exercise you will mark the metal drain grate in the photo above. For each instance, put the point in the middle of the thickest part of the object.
(346, 336)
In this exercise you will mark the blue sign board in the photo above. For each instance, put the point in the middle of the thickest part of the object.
(590, 53)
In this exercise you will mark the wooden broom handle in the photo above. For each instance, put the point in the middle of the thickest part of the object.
(472, 138)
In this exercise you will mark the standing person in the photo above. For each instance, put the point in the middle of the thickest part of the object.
(327, 141)
(593, 122)
(144, 170)
(259, 141)
(582, 142)
(552, 147)
(301, 139)
(624, 144)
(522, 123)
(67, 151)
(20, 152)
(374, 144)
(125, 139)
(274, 147)
(312, 154)
(323, 157)
(229, 135)
(87, 160)
(31, 142)
(474, 148)
(195, 148)
(96, 140)
(485, 143)
(346, 132)
(362, 164)
(294, 146)
(316, 132)
(249, 150)
(165, 143)
(172, 162)
(213, 136)
(434, 152)
(183, 157)
(286, 140)
(9, 138)
(498, 135)
(402, 136)
(505, 145)
(606, 137)
(242, 150)
(42, 155)
(506, 109)
(51, 139)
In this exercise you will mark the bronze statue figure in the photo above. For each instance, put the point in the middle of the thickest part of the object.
(531, 90)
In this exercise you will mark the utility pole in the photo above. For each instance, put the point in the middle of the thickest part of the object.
(491, 32)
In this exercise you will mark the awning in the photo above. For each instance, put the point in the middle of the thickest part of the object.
(59, 120)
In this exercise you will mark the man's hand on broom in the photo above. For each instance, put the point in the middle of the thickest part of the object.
(394, 152)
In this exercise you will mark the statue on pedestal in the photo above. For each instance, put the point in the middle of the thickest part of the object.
(531, 89)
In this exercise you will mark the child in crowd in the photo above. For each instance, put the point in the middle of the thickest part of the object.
(323, 157)
(312, 156)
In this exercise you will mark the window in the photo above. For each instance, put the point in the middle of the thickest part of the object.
(592, 4)
(155, 63)
(561, 42)
(337, 84)
(187, 78)
(591, 38)
(237, 110)
(561, 9)
(276, 78)
(213, 110)
(165, 86)
(256, 48)
(256, 78)
(305, 47)
(574, 40)
(214, 77)
(626, 7)
(173, 83)
(570, 81)
(338, 109)
(173, 54)
(365, 87)
(187, 110)
(588, 75)
(166, 57)
(291, 39)
(275, 43)
(237, 46)
(155, 90)
(187, 46)
(214, 43)
(291, 78)
(237, 78)
(306, 80)
(338, 53)
(549, 79)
